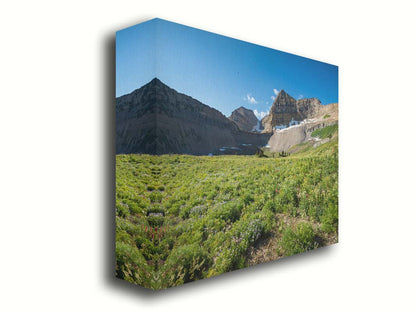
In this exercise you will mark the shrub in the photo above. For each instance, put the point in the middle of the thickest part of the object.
(141, 241)
(148, 249)
(185, 263)
(244, 233)
(156, 197)
(122, 210)
(301, 239)
(123, 236)
(247, 199)
(134, 208)
(212, 226)
(212, 195)
(228, 212)
(184, 212)
(288, 201)
(155, 220)
(198, 211)
(330, 219)
(131, 265)
(155, 210)
(175, 208)
(270, 206)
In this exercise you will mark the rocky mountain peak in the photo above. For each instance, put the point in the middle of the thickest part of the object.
(286, 111)
(283, 99)
(155, 81)
(282, 93)
(244, 118)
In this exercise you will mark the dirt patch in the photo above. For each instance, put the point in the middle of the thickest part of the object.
(267, 249)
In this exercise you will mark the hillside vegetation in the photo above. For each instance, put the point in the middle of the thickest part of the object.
(181, 218)
(326, 132)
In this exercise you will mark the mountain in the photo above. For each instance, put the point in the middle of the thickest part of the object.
(156, 119)
(244, 118)
(323, 116)
(287, 111)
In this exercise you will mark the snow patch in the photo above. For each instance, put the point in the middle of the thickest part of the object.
(224, 148)
(294, 123)
(280, 127)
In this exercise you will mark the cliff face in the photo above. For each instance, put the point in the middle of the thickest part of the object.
(283, 140)
(156, 119)
(308, 108)
(286, 109)
(244, 118)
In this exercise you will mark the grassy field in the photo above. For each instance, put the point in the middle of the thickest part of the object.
(181, 218)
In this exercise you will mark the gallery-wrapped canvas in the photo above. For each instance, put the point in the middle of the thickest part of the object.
(227, 154)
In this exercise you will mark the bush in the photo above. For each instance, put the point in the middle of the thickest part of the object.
(330, 219)
(184, 212)
(175, 208)
(245, 233)
(131, 265)
(301, 239)
(270, 206)
(185, 263)
(288, 201)
(156, 197)
(229, 212)
(155, 220)
(247, 199)
(155, 210)
(123, 236)
(122, 210)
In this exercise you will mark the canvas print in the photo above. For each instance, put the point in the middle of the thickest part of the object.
(227, 154)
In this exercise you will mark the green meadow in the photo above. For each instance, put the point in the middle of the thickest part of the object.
(181, 218)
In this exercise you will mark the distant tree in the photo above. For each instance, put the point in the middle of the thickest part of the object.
(260, 153)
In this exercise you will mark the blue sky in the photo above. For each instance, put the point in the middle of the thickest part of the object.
(219, 71)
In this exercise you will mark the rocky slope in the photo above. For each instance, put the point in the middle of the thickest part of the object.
(156, 119)
(286, 110)
(283, 140)
(244, 118)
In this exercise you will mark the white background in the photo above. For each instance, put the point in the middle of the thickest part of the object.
(56, 71)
